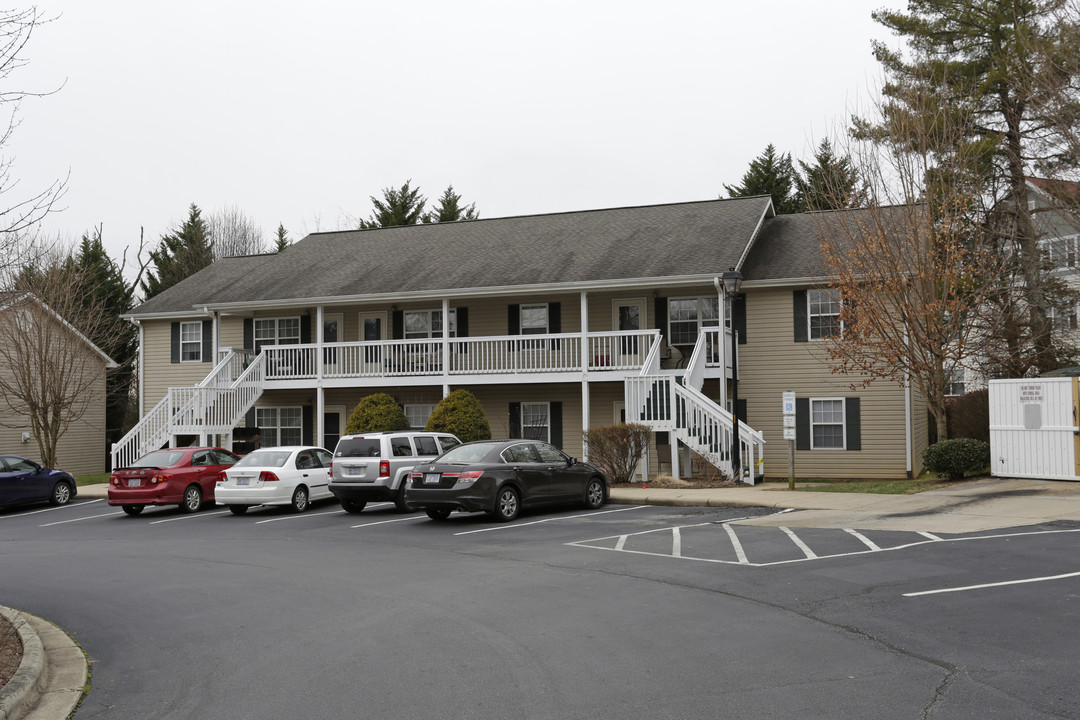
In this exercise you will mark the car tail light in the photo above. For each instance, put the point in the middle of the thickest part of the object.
(115, 481)
(330, 468)
(384, 468)
(222, 477)
(160, 478)
(267, 476)
(415, 476)
(469, 477)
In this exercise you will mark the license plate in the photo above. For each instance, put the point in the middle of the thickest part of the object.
(243, 481)
(134, 483)
(431, 479)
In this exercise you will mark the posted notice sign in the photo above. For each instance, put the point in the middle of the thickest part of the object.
(789, 403)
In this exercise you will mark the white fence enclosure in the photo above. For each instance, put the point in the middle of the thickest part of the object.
(1035, 428)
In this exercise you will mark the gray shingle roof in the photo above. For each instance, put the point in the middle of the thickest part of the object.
(658, 241)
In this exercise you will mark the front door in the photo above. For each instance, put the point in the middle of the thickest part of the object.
(629, 314)
(333, 425)
(372, 329)
(332, 323)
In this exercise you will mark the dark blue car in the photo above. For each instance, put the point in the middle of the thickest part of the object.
(23, 481)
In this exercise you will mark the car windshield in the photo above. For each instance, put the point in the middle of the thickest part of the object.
(264, 458)
(470, 453)
(358, 447)
(159, 458)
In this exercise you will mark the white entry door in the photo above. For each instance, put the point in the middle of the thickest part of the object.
(372, 329)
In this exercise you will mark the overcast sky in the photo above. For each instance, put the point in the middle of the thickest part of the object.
(299, 112)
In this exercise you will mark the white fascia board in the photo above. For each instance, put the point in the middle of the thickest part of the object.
(197, 312)
(786, 282)
(766, 214)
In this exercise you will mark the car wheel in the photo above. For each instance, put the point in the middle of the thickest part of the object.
(300, 499)
(133, 510)
(507, 504)
(353, 506)
(437, 514)
(400, 503)
(594, 494)
(61, 494)
(192, 499)
(237, 509)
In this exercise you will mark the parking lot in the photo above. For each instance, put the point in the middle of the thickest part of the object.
(629, 611)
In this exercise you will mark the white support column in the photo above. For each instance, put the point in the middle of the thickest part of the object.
(585, 413)
(584, 331)
(320, 393)
(674, 456)
(446, 345)
(320, 414)
(319, 347)
(725, 346)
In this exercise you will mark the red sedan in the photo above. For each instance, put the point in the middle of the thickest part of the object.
(175, 476)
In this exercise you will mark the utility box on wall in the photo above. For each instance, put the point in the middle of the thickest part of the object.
(1035, 428)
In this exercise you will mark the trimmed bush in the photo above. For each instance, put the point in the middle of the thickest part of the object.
(617, 449)
(952, 459)
(376, 413)
(462, 414)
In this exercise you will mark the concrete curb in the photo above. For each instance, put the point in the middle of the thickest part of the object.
(24, 689)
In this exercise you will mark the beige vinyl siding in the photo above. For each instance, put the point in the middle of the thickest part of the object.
(920, 428)
(159, 372)
(773, 362)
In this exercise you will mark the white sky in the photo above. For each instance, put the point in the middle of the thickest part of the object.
(299, 112)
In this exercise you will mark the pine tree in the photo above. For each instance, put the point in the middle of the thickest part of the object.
(831, 182)
(281, 239)
(183, 253)
(769, 174)
(450, 209)
(404, 206)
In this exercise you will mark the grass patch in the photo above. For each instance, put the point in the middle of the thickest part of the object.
(879, 487)
(92, 479)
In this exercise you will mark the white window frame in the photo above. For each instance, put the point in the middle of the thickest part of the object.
(700, 319)
(534, 328)
(432, 322)
(278, 337)
(185, 340)
(546, 417)
(842, 423)
(835, 300)
(957, 377)
(274, 424)
(1052, 247)
(1063, 318)
(414, 411)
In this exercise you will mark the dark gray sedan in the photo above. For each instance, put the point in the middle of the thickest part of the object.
(501, 477)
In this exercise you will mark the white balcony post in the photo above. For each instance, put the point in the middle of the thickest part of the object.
(446, 345)
(319, 348)
(585, 410)
(320, 416)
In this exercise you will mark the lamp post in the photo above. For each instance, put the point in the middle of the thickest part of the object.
(732, 281)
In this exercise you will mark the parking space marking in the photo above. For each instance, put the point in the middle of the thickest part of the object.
(736, 544)
(929, 535)
(88, 517)
(297, 516)
(993, 585)
(798, 542)
(189, 517)
(676, 542)
(385, 522)
(553, 519)
(865, 540)
(50, 509)
(622, 542)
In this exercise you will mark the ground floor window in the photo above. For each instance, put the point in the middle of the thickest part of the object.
(280, 426)
(827, 423)
(536, 421)
(418, 413)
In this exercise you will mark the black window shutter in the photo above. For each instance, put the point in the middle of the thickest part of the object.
(462, 327)
(660, 314)
(738, 319)
(802, 423)
(852, 423)
(305, 329)
(249, 334)
(249, 418)
(397, 325)
(515, 420)
(555, 324)
(555, 424)
(740, 409)
(175, 342)
(308, 413)
(798, 306)
(513, 319)
(208, 341)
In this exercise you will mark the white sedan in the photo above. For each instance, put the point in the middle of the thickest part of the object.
(293, 476)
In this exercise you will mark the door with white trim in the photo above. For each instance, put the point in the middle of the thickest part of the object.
(629, 314)
(372, 329)
(333, 323)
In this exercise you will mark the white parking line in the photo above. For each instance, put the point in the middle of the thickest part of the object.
(188, 517)
(88, 517)
(676, 542)
(736, 544)
(298, 516)
(553, 519)
(992, 585)
(622, 542)
(802, 546)
(50, 509)
(929, 535)
(865, 540)
(384, 522)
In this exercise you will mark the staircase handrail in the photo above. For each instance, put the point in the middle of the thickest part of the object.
(651, 366)
(695, 369)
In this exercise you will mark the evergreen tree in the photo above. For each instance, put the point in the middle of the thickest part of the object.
(831, 182)
(450, 209)
(769, 174)
(404, 206)
(281, 239)
(183, 253)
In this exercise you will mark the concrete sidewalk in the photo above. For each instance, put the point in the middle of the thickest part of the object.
(968, 506)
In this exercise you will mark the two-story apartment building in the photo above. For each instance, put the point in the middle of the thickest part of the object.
(556, 322)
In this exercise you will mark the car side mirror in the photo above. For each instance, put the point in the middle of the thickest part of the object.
(572, 461)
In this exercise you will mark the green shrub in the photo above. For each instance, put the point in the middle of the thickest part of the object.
(462, 414)
(376, 413)
(617, 449)
(952, 459)
(969, 416)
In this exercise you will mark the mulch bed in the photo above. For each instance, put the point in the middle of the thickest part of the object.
(10, 651)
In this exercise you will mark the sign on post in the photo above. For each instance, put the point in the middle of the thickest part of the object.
(789, 434)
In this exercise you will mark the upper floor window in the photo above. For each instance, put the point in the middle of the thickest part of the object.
(534, 319)
(686, 317)
(1060, 251)
(427, 324)
(1063, 317)
(824, 313)
(954, 383)
(191, 341)
(276, 331)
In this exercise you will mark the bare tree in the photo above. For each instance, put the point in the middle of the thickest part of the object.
(50, 374)
(234, 233)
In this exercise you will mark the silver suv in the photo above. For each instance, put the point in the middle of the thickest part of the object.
(375, 466)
